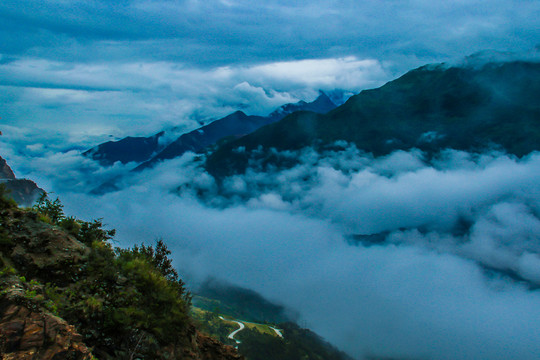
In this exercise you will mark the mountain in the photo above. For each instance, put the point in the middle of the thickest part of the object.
(25, 192)
(430, 108)
(129, 149)
(240, 303)
(322, 104)
(233, 126)
(150, 150)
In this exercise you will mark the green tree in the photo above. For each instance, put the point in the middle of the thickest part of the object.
(53, 210)
(158, 256)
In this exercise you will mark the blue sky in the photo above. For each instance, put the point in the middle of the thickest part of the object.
(97, 68)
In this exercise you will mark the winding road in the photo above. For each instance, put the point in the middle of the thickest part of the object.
(278, 332)
(231, 335)
(242, 327)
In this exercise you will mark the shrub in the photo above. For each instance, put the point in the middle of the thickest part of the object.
(53, 210)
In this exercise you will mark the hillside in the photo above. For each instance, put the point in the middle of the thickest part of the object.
(240, 303)
(259, 340)
(66, 293)
(430, 108)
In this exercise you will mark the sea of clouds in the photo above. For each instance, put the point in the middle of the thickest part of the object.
(455, 272)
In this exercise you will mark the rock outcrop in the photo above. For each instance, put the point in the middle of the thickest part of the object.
(25, 192)
(5, 170)
(209, 349)
(29, 332)
(39, 250)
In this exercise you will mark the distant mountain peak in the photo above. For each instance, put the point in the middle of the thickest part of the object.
(323, 99)
(322, 104)
(149, 150)
(484, 57)
(128, 149)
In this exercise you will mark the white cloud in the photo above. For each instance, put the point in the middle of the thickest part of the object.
(347, 73)
(142, 98)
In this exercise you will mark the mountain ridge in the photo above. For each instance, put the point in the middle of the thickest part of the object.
(234, 125)
(147, 151)
(429, 108)
(126, 150)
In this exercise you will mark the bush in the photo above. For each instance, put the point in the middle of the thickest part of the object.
(52, 210)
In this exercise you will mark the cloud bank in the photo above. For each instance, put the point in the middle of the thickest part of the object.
(217, 32)
(144, 98)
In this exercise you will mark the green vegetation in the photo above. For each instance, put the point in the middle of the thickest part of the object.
(210, 323)
(126, 303)
(5, 201)
(50, 211)
(262, 328)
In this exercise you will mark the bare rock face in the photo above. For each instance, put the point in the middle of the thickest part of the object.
(203, 347)
(25, 192)
(5, 170)
(29, 332)
(199, 346)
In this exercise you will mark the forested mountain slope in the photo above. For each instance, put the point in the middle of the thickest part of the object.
(430, 108)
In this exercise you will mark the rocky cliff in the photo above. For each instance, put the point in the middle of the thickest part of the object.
(29, 332)
(5, 170)
(23, 191)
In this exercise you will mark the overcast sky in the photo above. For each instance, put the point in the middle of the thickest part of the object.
(95, 68)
